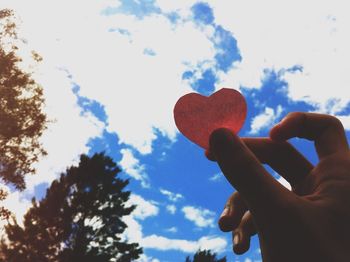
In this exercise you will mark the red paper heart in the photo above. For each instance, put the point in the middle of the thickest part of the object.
(197, 116)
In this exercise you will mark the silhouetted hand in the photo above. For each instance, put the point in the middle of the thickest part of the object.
(309, 223)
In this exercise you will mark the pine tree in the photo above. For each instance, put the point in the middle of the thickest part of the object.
(205, 256)
(79, 219)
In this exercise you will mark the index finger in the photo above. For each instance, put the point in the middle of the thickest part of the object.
(243, 170)
(326, 131)
(281, 156)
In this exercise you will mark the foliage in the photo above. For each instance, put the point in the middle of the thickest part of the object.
(22, 120)
(79, 219)
(4, 213)
(205, 256)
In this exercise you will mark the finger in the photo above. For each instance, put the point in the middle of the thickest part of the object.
(242, 235)
(233, 212)
(282, 157)
(243, 170)
(327, 131)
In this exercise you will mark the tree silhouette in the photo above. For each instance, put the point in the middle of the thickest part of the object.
(79, 219)
(22, 120)
(205, 256)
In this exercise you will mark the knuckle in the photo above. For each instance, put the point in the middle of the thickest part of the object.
(295, 115)
(335, 122)
(232, 199)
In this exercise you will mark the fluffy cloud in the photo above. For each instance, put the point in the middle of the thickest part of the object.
(143, 208)
(71, 128)
(180, 6)
(171, 209)
(174, 197)
(171, 229)
(345, 121)
(17, 204)
(66, 138)
(105, 56)
(265, 119)
(138, 113)
(216, 244)
(216, 177)
(145, 258)
(133, 232)
(146, 209)
(288, 34)
(199, 216)
(133, 168)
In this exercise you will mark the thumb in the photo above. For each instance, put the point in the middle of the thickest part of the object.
(242, 169)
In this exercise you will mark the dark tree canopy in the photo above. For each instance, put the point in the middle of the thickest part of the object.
(22, 120)
(205, 256)
(79, 219)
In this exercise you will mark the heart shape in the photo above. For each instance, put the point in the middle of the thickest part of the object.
(197, 116)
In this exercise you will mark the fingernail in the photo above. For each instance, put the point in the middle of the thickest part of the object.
(236, 239)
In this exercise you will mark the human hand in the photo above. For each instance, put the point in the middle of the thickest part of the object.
(309, 223)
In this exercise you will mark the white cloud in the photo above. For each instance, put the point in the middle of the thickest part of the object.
(143, 208)
(174, 197)
(201, 217)
(288, 34)
(71, 128)
(171, 209)
(133, 168)
(66, 138)
(216, 177)
(345, 121)
(16, 203)
(171, 229)
(142, 83)
(265, 119)
(145, 258)
(112, 68)
(216, 244)
(179, 6)
(133, 233)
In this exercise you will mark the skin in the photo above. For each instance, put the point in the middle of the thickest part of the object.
(309, 223)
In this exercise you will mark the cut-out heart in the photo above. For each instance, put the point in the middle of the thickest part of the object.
(197, 116)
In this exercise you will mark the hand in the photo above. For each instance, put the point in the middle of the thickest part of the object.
(309, 223)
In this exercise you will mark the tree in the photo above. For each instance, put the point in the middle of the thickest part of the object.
(205, 256)
(22, 120)
(79, 219)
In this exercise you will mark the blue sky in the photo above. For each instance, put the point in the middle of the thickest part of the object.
(113, 70)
